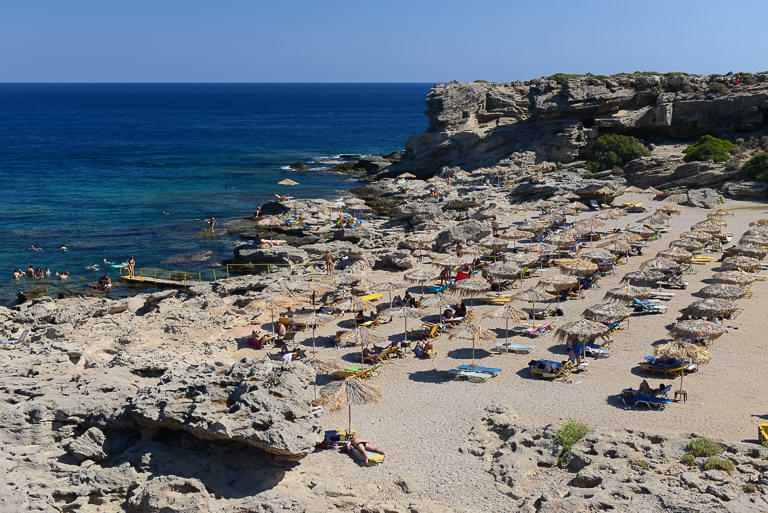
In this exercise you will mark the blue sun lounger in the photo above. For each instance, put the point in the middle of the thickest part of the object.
(437, 289)
(476, 368)
(634, 398)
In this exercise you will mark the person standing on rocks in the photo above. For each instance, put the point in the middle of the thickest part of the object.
(131, 266)
(328, 262)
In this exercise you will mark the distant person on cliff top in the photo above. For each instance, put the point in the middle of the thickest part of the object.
(328, 259)
(131, 266)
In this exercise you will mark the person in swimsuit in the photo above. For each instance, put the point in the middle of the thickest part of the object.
(363, 447)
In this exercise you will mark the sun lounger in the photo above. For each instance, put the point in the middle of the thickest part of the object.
(453, 321)
(437, 289)
(702, 259)
(653, 401)
(669, 367)
(762, 432)
(645, 307)
(21, 338)
(372, 297)
(474, 377)
(594, 205)
(477, 368)
(673, 284)
(357, 371)
(536, 331)
(592, 350)
(550, 369)
(514, 347)
(662, 295)
(498, 299)
(427, 330)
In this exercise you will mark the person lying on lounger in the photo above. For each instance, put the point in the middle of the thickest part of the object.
(647, 389)
(359, 447)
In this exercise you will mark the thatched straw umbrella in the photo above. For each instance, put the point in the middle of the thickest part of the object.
(597, 254)
(582, 330)
(644, 278)
(617, 246)
(419, 276)
(659, 264)
(739, 278)
(643, 231)
(686, 351)
(278, 303)
(698, 236)
(607, 312)
(405, 313)
(559, 283)
(562, 239)
(712, 227)
(440, 301)
(321, 366)
(656, 219)
(361, 336)
(760, 222)
(507, 312)
(351, 391)
(628, 292)
(741, 263)
(453, 260)
(533, 295)
(515, 235)
(749, 250)
(390, 288)
(711, 308)
(503, 270)
(313, 320)
(723, 291)
(755, 239)
(471, 287)
(669, 208)
(578, 266)
(697, 329)
(469, 329)
(678, 255)
(687, 244)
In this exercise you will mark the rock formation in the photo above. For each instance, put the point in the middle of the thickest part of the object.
(480, 123)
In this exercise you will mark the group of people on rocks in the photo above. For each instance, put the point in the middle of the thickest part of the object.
(39, 273)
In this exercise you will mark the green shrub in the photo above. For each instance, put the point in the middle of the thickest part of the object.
(757, 167)
(570, 433)
(614, 150)
(709, 148)
(688, 459)
(749, 488)
(718, 463)
(703, 447)
(639, 463)
(718, 88)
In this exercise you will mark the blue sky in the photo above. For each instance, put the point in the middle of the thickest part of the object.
(373, 40)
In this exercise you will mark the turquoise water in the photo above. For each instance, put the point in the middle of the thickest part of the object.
(112, 170)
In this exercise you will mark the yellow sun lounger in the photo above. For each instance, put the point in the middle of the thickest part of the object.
(372, 297)
(702, 259)
(762, 432)
(498, 299)
(357, 371)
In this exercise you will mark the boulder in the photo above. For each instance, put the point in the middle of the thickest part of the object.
(746, 190)
(464, 232)
(89, 446)
(274, 208)
(171, 494)
(704, 198)
(278, 255)
(259, 404)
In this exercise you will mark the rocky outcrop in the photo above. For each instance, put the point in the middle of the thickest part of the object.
(481, 123)
(257, 404)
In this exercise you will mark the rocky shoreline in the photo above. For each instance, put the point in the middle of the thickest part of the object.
(132, 405)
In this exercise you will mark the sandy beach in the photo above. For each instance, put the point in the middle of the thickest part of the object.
(427, 420)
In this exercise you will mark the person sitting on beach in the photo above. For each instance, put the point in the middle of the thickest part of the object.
(281, 330)
(104, 283)
(461, 310)
(359, 448)
(397, 301)
(256, 341)
(360, 317)
(448, 314)
(409, 300)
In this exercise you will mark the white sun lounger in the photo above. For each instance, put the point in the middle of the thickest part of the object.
(474, 377)
(22, 338)
(514, 347)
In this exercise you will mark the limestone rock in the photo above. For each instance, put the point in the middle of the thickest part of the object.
(465, 232)
(89, 446)
(704, 198)
(171, 494)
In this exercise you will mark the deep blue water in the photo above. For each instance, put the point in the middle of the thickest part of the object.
(110, 170)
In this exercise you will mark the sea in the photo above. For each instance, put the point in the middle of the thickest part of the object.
(94, 173)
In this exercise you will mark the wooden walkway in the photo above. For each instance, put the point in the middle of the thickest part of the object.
(150, 281)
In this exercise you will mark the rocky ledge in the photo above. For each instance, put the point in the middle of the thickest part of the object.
(480, 123)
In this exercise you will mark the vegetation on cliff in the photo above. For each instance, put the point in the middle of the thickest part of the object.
(757, 166)
(709, 147)
(614, 150)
